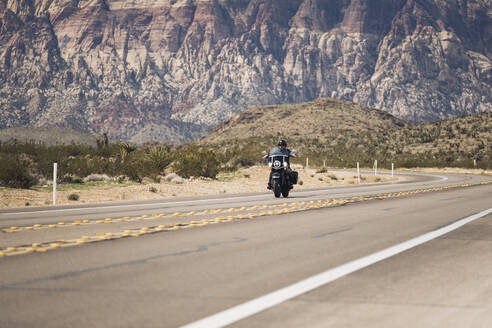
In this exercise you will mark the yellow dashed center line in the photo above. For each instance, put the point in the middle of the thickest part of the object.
(252, 212)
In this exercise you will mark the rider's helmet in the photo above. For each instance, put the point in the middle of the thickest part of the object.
(282, 143)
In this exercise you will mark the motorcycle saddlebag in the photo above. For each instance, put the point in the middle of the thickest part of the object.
(294, 176)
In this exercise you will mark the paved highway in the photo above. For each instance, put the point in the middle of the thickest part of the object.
(175, 262)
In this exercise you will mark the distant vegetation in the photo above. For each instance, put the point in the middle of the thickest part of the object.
(333, 132)
(462, 142)
(341, 134)
(49, 136)
(24, 164)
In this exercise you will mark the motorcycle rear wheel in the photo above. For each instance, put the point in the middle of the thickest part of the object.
(285, 191)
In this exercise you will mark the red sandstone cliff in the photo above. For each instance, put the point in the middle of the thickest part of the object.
(169, 69)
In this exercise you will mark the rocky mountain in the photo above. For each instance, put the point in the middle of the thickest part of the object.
(172, 69)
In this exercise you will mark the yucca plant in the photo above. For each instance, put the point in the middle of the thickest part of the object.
(125, 149)
(158, 157)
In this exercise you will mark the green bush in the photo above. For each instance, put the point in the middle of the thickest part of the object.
(73, 197)
(132, 168)
(195, 161)
(71, 179)
(15, 172)
(158, 158)
(79, 166)
(66, 179)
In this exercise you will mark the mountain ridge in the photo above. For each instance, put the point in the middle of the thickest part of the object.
(171, 70)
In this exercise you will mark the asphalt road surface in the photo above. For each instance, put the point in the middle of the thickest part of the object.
(185, 261)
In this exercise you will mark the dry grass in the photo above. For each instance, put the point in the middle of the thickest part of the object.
(344, 133)
(253, 179)
(325, 118)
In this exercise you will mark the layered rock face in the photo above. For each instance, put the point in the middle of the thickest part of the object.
(171, 69)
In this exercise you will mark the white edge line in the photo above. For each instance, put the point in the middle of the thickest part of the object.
(443, 178)
(262, 303)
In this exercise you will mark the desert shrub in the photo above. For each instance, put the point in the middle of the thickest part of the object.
(322, 170)
(127, 148)
(153, 189)
(102, 165)
(15, 172)
(134, 168)
(74, 197)
(68, 178)
(195, 161)
(246, 152)
(158, 158)
(229, 168)
(80, 166)
(244, 160)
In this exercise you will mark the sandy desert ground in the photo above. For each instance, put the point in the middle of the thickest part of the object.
(252, 179)
(246, 180)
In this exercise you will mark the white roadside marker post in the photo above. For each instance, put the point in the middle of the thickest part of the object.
(54, 182)
(307, 163)
(392, 170)
(358, 173)
(376, 167)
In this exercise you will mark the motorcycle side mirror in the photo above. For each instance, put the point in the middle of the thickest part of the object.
(264, 153)
(293, 151)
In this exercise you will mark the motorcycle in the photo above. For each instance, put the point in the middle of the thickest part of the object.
(282, 177)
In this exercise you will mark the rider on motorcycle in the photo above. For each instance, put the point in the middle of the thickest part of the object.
(280, 150)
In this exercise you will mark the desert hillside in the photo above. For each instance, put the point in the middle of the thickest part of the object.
(342, 133)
